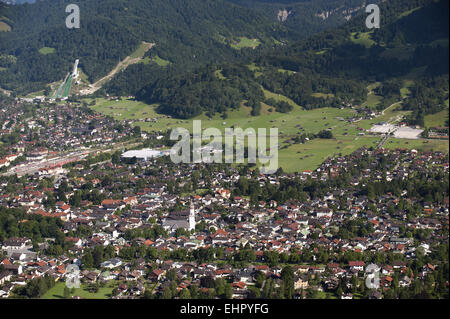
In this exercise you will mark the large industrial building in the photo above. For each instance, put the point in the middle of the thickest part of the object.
(144, 154)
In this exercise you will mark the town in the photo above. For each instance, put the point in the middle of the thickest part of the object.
(149, 228)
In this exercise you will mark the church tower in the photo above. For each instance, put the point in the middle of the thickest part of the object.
(192, 217)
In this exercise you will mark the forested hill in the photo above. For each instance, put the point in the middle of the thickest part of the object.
(37, 48)
(412, 44)
(306, 17)
(332, 68)
(186, 33)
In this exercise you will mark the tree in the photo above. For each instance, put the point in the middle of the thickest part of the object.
(115, 159)
(137, 131)
(66, 292)
(171, 274)
(271, 257)
(287, 277)
(185, 294)
(87, 260)
(97, 256)
(167, 294)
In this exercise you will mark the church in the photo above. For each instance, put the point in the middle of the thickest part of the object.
(181, 219)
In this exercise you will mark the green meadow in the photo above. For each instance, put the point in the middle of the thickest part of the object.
(292, 157)
(46, 50)
(363, 38)
(296, 157)
(57, 292)
(140, 51)
(438, 119)
(421, 144)
(244, 42)
(159, 61)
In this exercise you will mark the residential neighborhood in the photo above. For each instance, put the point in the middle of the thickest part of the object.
(148, 228)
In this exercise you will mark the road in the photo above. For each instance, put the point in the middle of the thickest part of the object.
(120, 66)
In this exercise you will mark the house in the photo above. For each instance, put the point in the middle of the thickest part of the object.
(77, 242)
(5, 290)
(15, 269)
(157, 274)
(5, 276)
(244, 276)
(356, 265)
(18, 256)
(112, 263)
(138, 289)
(91, 276)
(123, 288)
(301, 282)
(133, 275)
(16, 243)
(405, 281)
(239, 290)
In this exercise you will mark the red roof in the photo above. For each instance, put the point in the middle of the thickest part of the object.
(6, 262)
(356, 263)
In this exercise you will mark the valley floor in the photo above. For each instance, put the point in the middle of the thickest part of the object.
(349, 130)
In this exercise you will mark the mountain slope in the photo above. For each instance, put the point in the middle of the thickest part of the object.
(333, 68)
(306, 17)
(185, 32)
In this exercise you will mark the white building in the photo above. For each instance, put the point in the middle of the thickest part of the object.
(144, 154)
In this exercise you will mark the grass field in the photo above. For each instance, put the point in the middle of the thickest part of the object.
(245, 42)
(405, 91)
(219, 75)
(292, 157)
(323, 95)
(310, 155)
(290, 124)
(4, 27)
(407, 13)
(372, 99)
(140, 51)
(438, 119)
(46, 50)
(362, 38)
(35, 94)
(321, 51)
(422, 145)
(257, 71)
(159, 61)
(57, 292)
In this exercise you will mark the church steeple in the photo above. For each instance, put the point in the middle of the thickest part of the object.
(191, 217)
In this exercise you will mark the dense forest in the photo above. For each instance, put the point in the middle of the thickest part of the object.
(206, 74)
(330, 69)
(191, 94)
(187, 33)
(305, 17)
